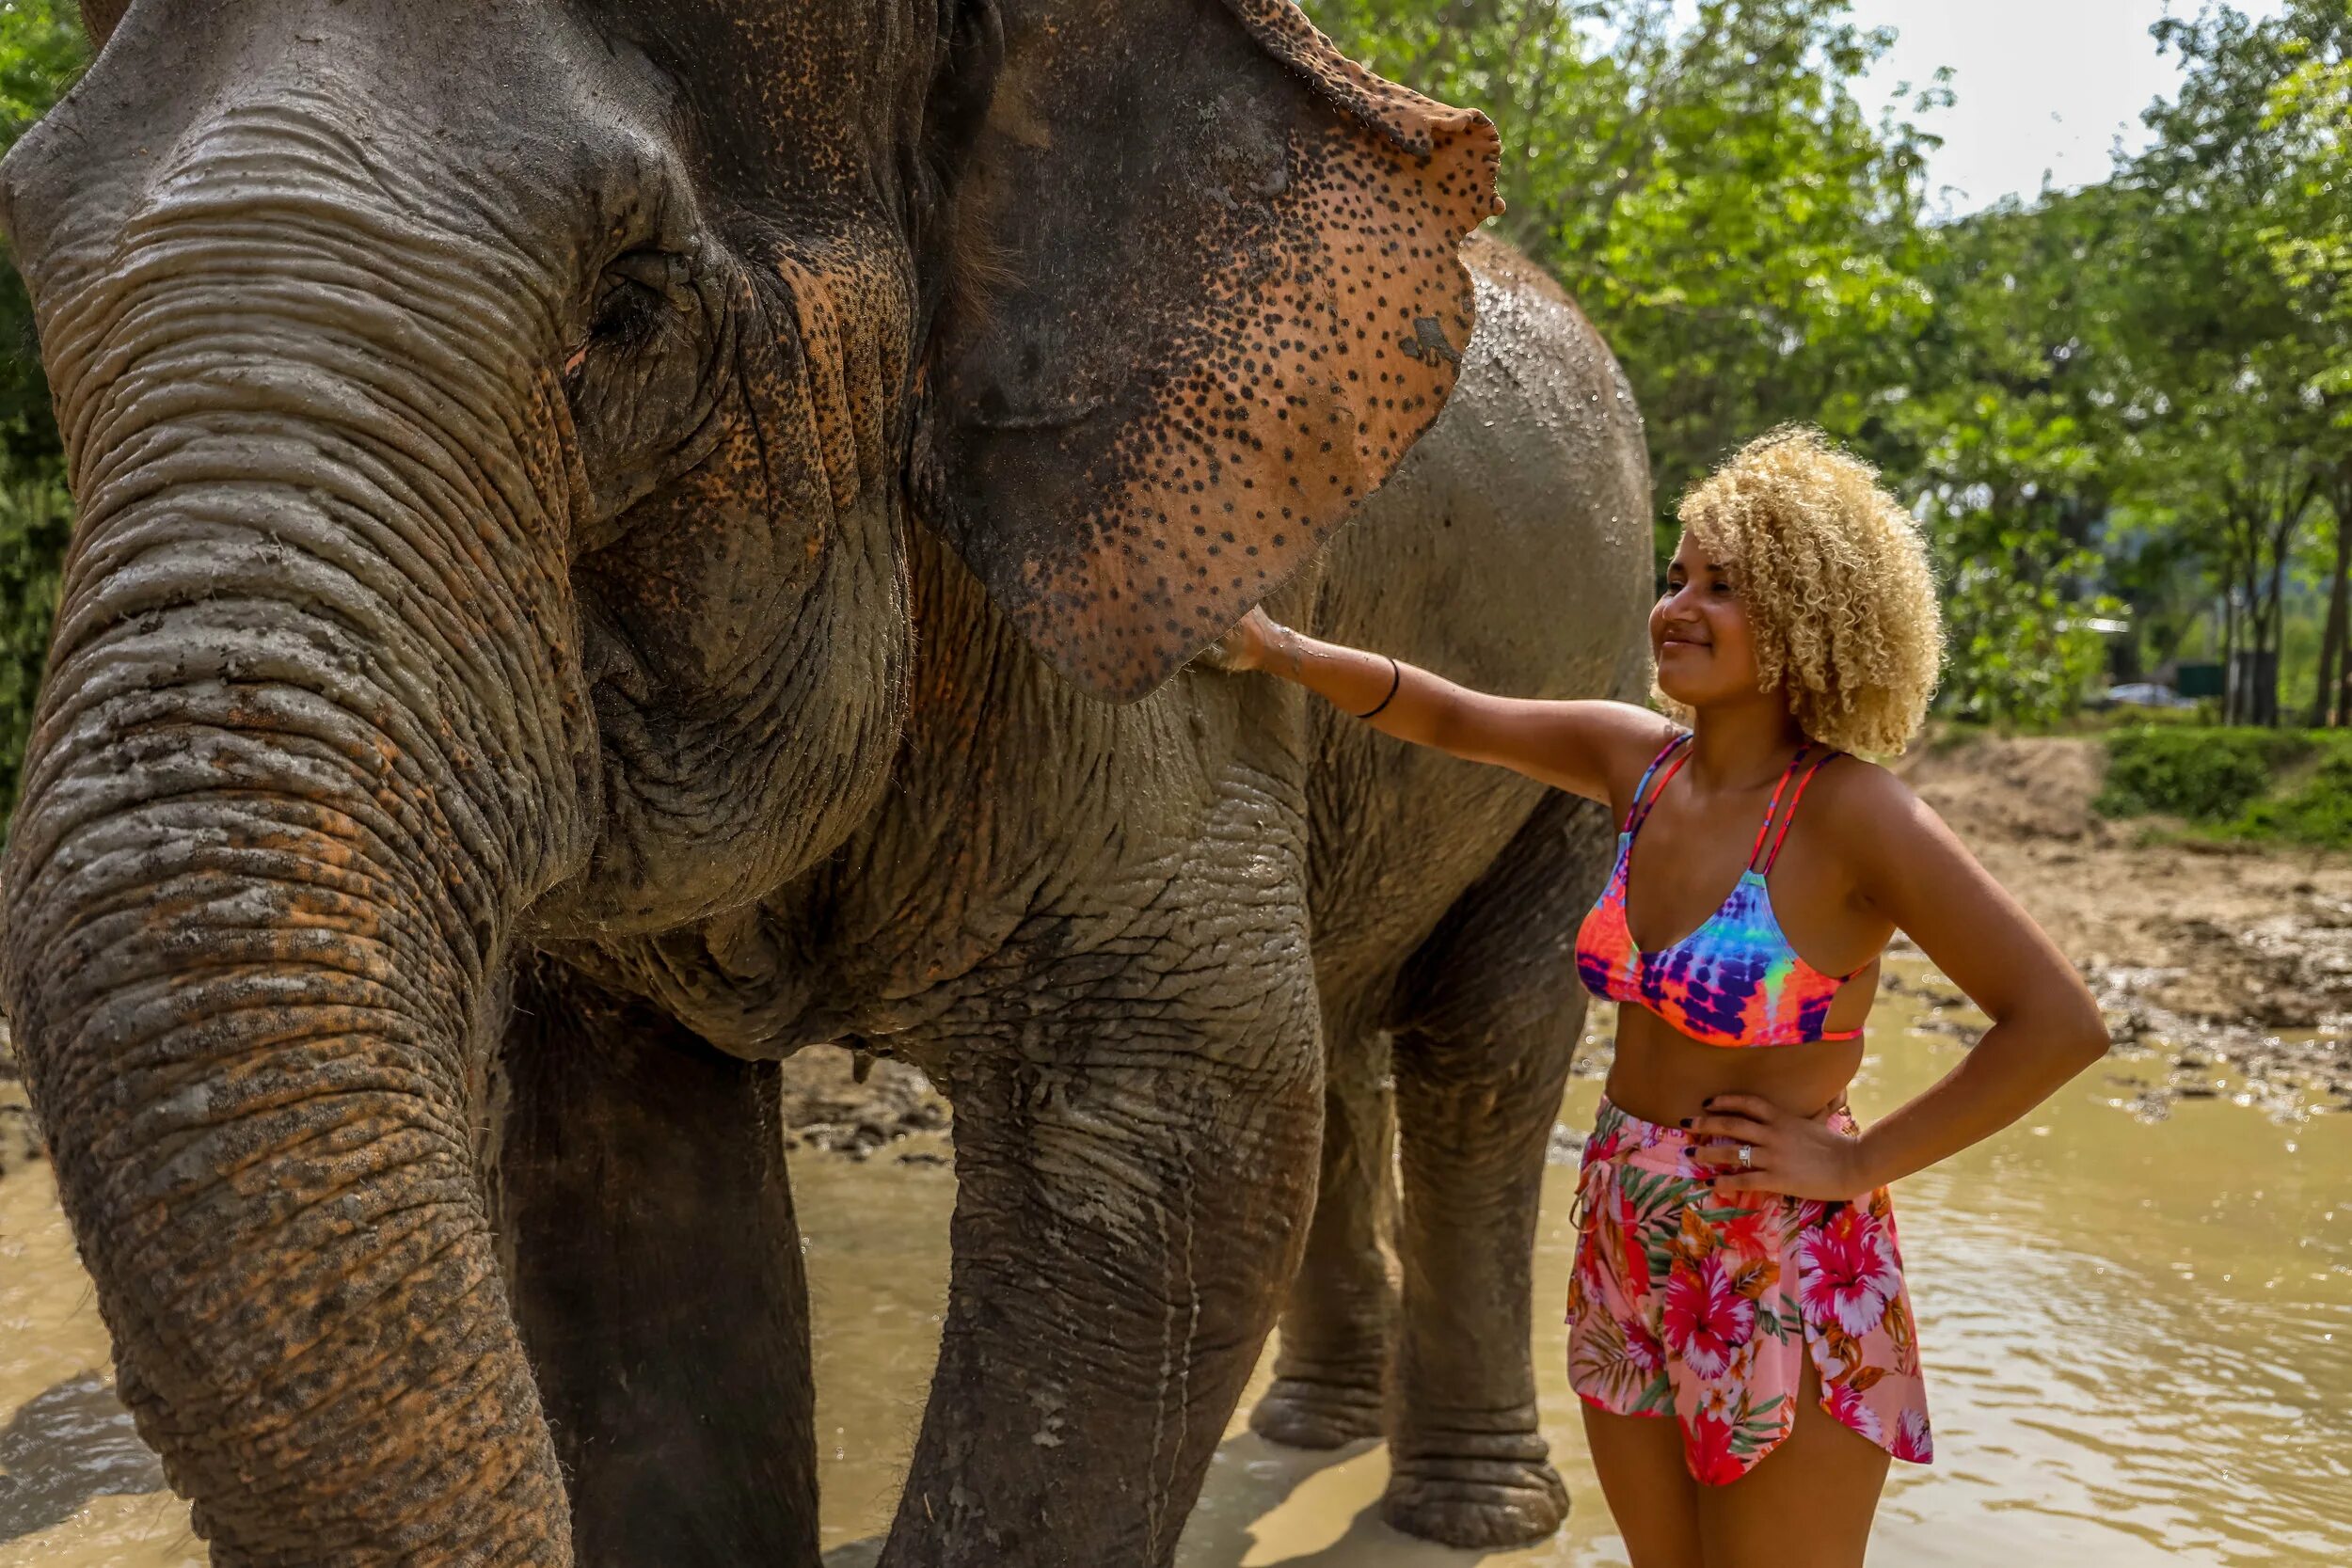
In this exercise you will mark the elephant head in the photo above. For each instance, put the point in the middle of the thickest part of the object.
(496, 426)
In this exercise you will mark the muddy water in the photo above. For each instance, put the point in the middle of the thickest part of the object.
(2139, 1341)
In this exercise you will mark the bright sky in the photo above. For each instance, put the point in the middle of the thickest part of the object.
(2044, 85)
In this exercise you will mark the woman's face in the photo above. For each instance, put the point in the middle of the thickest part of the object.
(1698, 632)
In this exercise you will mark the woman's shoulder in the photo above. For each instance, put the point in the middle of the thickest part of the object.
(1866, 805)
(1643, 739)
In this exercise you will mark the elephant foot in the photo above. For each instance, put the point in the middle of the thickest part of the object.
(1300, 1414)
(1477, 1501)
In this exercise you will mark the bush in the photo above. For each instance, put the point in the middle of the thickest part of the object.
(2237, 782)
(2206, 775)
(2316, 810)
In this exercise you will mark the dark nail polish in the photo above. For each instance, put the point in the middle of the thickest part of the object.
(1686, 1122)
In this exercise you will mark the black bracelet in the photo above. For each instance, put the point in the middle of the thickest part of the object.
(1397, 678)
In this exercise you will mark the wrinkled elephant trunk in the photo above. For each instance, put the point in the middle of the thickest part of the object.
(245, 1023)
(314, 735)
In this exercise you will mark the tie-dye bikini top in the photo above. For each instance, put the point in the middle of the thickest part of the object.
(1735, 981)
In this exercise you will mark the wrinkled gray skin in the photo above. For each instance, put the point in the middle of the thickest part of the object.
(579, 504)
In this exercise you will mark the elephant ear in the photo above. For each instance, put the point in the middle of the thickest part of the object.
(1208, 293)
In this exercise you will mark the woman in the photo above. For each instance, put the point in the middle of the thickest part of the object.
(1737, 1294)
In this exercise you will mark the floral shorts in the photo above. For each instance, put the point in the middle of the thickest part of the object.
(1696, 1304)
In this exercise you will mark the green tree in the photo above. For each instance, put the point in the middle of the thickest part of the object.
(43, 52)
(1711, 189)
(2237, 409)
(2002, 442)
(2309, 234)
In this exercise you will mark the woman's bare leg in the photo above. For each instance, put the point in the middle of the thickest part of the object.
(1808, 1504)
(1651, 1495)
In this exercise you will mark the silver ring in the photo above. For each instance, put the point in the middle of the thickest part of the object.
(1747, 1156)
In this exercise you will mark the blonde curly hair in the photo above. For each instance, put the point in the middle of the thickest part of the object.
(1835, 578)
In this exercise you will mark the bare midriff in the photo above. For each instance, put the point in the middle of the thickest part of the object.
(1663, 1075)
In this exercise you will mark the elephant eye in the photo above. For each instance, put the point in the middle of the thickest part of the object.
(635, 294)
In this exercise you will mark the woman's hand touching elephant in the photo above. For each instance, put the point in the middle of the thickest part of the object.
(1256, 642)
(1364, 684)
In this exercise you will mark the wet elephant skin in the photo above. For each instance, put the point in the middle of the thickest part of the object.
(617, 541)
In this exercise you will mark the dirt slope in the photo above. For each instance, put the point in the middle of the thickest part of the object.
(2220, 953)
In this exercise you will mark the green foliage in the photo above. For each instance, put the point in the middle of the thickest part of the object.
(2316, 809)
(1999, 446)
(1709, 187)
(43, 52)
(36, 517)
(2245, 784)
(2019, 652)
(2206, 775)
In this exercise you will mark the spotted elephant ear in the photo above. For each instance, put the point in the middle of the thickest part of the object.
(1209, 293)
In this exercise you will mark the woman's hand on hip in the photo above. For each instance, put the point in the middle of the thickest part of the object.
(1792, 1155)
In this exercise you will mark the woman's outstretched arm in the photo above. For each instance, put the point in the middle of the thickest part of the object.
(1585, 748)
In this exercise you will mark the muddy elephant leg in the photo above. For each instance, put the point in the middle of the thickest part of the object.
(1492, 1015)
(1128, 1208)
(656, 1269)
(1331, 1374)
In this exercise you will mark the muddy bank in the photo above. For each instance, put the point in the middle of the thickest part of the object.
(827, 1106)
(2227, 968)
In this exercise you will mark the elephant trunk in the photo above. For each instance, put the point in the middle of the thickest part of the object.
(312, 738)
(246, 1010)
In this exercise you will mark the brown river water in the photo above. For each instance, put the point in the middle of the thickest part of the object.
(2138, 1340)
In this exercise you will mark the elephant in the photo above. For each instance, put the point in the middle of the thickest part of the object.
(621, 539)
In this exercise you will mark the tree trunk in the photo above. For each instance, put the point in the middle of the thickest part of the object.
(2340, 499)
(2293, 505)
(2229, 653)
(2331, 650)
(2268, 650)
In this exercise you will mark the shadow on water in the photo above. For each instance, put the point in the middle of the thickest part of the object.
(62, 1448)
(1244, 1524)
(1275, 1508)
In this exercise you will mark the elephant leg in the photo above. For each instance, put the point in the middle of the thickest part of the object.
(655, 1266)
(1331, 1374)
(1127, 1214)
(1491, 1015)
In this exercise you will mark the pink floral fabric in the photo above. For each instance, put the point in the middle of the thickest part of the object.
(1699, 1305)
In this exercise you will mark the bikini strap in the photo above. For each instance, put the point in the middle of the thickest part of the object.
(1788, 819)
(1644, 796)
